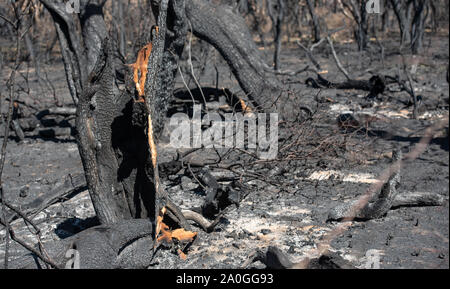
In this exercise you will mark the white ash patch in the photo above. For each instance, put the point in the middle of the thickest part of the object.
(344, 176)
(338, 109)
(382, 112)
(432, 115)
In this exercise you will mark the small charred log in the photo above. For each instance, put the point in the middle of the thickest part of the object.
(375, 85)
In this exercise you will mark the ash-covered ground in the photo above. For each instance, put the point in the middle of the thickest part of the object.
(286, 201)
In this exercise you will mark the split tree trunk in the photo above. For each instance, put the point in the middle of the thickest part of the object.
(111, 127)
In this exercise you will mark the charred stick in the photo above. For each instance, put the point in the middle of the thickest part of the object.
(336, 59)
(206, 225)
(26, 246)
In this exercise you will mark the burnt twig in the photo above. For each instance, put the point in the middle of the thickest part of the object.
(336, 59)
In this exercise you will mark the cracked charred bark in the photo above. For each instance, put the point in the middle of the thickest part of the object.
(111, 127)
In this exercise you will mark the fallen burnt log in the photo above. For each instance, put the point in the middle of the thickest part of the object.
(56, 132)
(29, 123)
(375, 85)
(404, 199)
(417, 199)
(49, 123)
(206, 225)
(66, 111)
(384, 200)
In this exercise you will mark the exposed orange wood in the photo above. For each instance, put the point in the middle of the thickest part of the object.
(151, 142)
(180, 234)
(245, 107)
(182, 255)
(140, 69)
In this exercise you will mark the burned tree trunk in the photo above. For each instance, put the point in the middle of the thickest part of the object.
(111, 127)
(418, 25)
(175, 38)
(98, 134)
(402, 13)
(113, 130)
(276, 14)
(411, 18)
(70, 44)
(359, 13)
(228, 33)
(124, 172)
(315, 21)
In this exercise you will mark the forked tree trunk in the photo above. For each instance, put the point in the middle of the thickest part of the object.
(111, 127)
(359, 13)
(401, 11)
(411, 17)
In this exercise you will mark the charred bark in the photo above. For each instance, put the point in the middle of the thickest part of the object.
(174, 44)
(359, 13)
(111, 127)
(401, 11)
(98, 135)
(418, 25)
(315, 21)
(228, 33)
